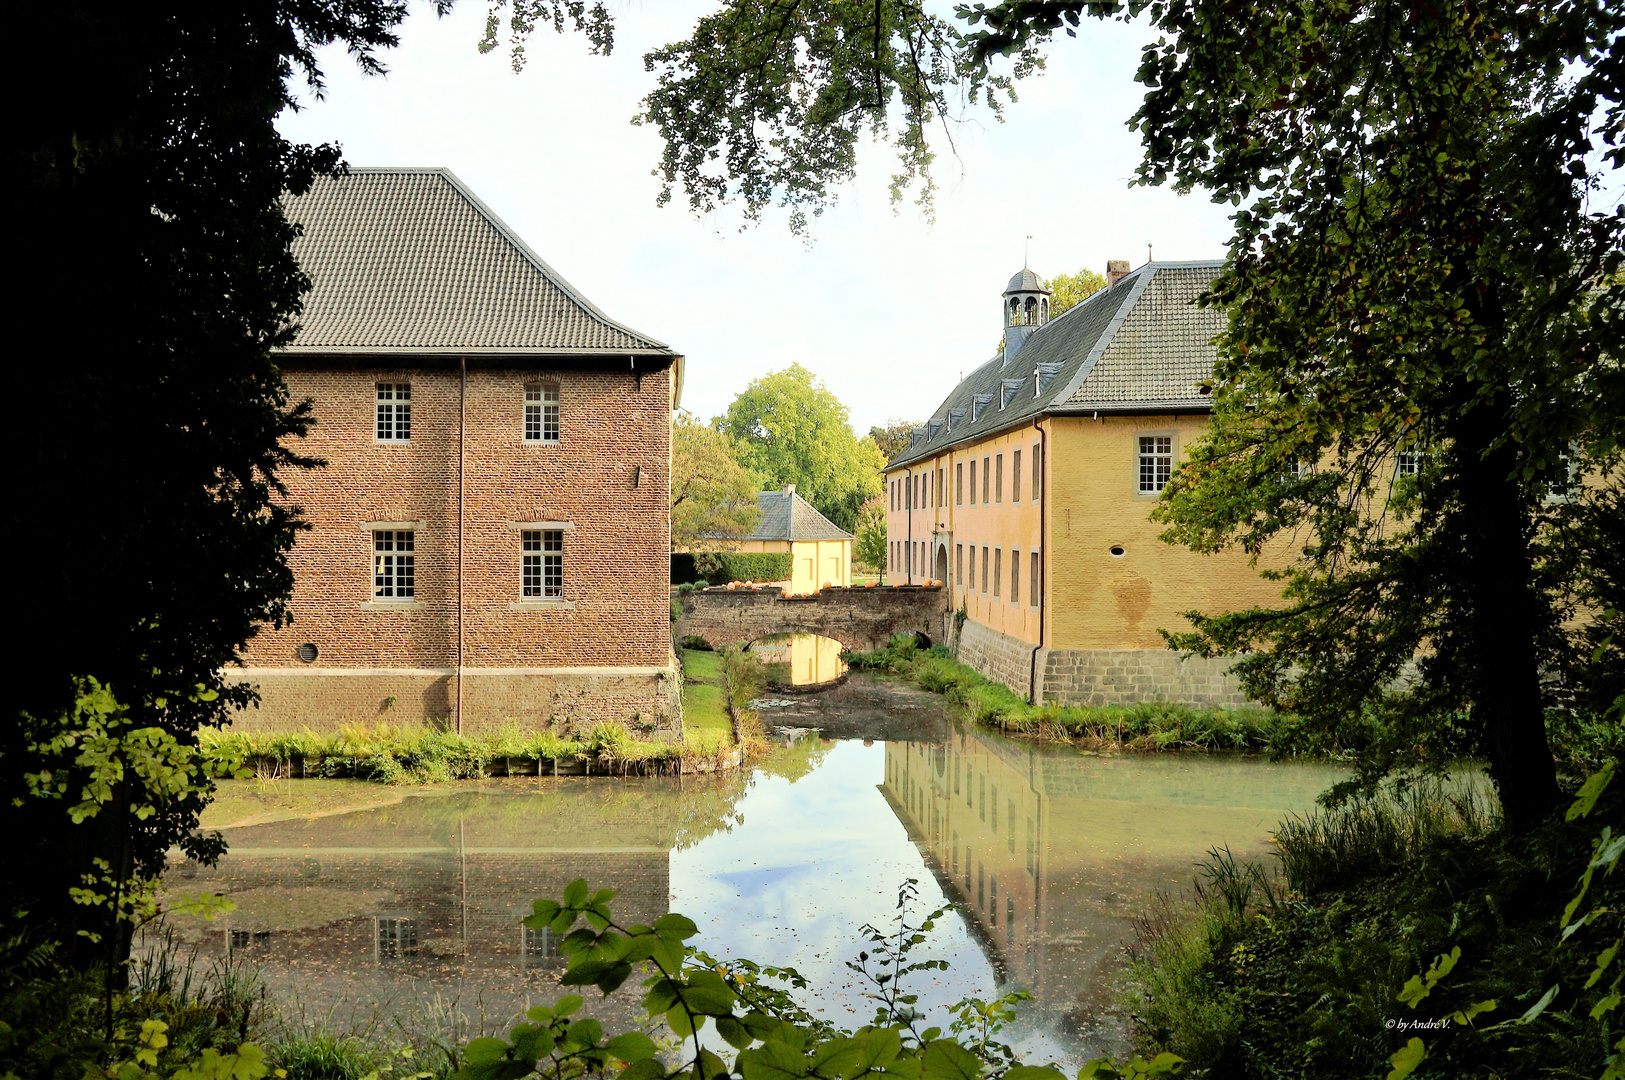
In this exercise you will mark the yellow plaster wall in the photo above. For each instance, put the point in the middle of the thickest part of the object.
(1101, 601)
(817, 563)
(1005, 521)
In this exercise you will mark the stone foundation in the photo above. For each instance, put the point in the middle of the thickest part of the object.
(997, 656)
(648, 700)
(1099, 676)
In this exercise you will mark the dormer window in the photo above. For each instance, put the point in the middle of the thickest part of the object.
(954, 417)
(1042, 375)
(1008, 389)
(932, 429)
(978, 404)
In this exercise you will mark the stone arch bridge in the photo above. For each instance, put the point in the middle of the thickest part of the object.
(859, 618)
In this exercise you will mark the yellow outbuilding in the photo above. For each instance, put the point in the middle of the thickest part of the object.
(820, 552)
(1030, 489)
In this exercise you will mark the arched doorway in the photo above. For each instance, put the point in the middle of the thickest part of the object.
(941, 573)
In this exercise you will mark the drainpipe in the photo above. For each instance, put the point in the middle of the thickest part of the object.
(462, 428)
(1043, 555)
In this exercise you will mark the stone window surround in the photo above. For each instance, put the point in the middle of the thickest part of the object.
(542, 603)
(370, 527)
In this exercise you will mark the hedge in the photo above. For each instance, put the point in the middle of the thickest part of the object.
(721, 567)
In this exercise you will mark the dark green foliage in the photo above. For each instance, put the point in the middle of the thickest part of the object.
(1305, 978)
(1424, 263)
(721, 567)
(144, 513)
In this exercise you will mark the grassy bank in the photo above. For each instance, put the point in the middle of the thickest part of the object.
(1152, 725)
(1408, 934)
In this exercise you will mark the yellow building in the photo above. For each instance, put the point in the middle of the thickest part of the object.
(1030, 490)
(820, 553)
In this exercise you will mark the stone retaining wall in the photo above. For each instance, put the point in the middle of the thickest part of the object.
(1099, 676)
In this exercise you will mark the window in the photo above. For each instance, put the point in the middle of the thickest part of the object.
(541, 412)
(394, 575)
(1015, 576)
(540, 943)
(984, 569)
(959, 484)
(1564, 475)
(1010, 915)
(1015, 476)
(959, 565)
(394, 412)
(1037, 473)
(993, 820)
(986, 480)
(940, 500)
(894, 494)
(998, 479)
(973, 483)
(395, 937)
(1010, 821)
(970, 583)
(1408, 462)
(981, 797)
(998, 563)
(1032, 581)
(543, 563)
(1156, 462)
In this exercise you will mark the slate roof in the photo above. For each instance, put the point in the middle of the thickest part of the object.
(1026, 281)
(409, 261)
(1140, 345)
(787, 516)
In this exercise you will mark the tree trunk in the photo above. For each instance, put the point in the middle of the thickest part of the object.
(1503, 616)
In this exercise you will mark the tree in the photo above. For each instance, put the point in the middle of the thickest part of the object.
(894, 437)
(712, 494)
(1070, 290)
(792, 430)
(870, 546)
(145, 519)
(1416, 271)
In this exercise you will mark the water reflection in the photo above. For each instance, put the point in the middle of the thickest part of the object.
(405, 909)
(800, 659)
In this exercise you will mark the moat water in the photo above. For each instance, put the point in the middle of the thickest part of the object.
(371, 909)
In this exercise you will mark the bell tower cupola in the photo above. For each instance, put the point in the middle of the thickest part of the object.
(1023, 309)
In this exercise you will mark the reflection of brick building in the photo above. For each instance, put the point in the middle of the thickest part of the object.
(490, 530)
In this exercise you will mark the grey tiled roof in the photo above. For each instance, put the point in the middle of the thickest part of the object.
(1140, 345)
(410, 261)
(1026, 281)
(787, 516)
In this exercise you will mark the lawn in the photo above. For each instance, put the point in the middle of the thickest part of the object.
(705, 713)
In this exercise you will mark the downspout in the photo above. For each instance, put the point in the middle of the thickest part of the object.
(462, 429)
(1043, 555)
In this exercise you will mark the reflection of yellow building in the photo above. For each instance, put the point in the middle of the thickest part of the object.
(1054, 855)
(801, 659)
(1030, 492)
(820, 553)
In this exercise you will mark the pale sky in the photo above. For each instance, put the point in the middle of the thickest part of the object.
(888, 309)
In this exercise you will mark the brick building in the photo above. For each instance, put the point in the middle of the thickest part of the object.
(490, 531)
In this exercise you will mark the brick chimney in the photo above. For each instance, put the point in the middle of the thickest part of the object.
(1115, 270)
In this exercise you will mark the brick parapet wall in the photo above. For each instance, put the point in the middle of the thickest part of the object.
(1099, 676)
(608, 476)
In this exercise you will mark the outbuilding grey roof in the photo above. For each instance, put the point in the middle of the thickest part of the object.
(409, 261)
(787, 516)
(1140, 345)
(1026, 281)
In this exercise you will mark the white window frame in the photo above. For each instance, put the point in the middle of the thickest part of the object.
(1562, 491)
(1409, 457)
(541, 422)
(392, 412)
(1154, 468)
(394, 568)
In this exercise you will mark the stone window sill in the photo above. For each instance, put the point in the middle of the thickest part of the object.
(542, 605)
(390, 605)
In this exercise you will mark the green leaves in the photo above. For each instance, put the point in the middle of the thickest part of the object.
(1406, 1059)
(1416, 989)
